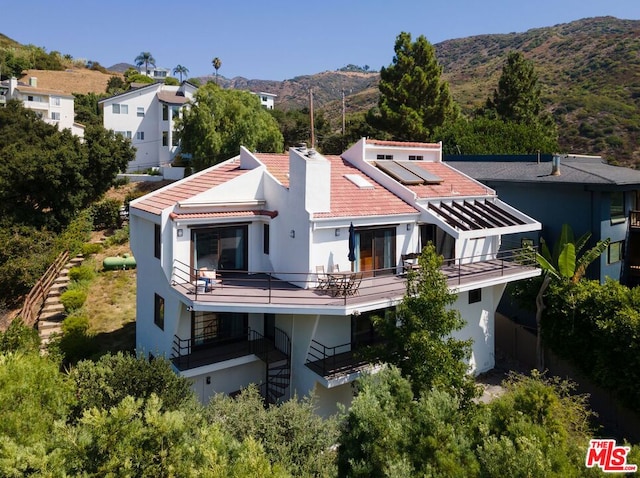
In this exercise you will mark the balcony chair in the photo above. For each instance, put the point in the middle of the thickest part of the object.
(210, 277)
(322, 278)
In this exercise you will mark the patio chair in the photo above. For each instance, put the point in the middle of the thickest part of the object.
(210, 277)
(353, 284)
(322, 278)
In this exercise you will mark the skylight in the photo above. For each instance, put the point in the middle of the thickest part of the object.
(359, 181)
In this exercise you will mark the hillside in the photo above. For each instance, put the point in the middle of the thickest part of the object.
(73, 80)
(589, 70)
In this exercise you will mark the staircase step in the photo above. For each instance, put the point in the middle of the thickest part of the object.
(61, 280)
(57, 307)
(52, 301)
(45, 327)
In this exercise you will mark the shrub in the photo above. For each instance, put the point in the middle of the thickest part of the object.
(121, 236)
(75, 343)
(81, 273)
(106, 214)
(19, 337)
(91, 248)
(73, 299)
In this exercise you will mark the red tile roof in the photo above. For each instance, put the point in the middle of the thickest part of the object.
(347, 199)
(219, 214)
(454, 183)
(401, 144)
(156, 202)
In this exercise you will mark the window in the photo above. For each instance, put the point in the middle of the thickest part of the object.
(265, 238)
(175, 112)
(475, 295)
(126, 134)
(157, 243)
(165, 113)
(140, 135)
(118, 109)
(140, 111)
(615, 252)
(616, 207)
(175, 140)
(165, 138)
(384, 156)
(55, 116)
(211, 328)
(158, 311)
(55, 101)
(415, 158)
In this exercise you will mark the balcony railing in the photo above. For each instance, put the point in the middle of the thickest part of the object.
(308, 289)
(339, 360)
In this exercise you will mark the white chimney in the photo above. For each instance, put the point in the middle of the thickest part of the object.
(13, 84)
(33, 81)
(310, 179)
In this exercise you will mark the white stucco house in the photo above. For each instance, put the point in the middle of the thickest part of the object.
(147, 115)
(54, 107)
(274, 226)
(267, 100)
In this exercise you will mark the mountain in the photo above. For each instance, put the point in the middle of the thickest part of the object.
(589, 70)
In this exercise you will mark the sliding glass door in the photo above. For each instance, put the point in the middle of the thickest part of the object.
(376, 250)
(220, 248)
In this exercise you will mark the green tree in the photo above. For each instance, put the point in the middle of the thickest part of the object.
(291, 434)
(104, 383)
(48, 176)
(181, 70)
(485, 135)
(19, 338)
(220, 121)
(145, 58)
(87, 109)
(517, 97)
(413, 98)
(217, 63)
(418, 335)
(115, 85)
(563, 265)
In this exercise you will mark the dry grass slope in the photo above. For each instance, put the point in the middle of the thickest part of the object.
(73, 80)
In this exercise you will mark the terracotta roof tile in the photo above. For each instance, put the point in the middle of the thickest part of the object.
(453, 184)
(156, 202)
(347, 199)
(223, 214)
(401, 144)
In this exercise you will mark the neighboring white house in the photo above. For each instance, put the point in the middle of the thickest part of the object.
(147, 115)
(54, 107)
(267, 100)
(270, 224)
(159, 74)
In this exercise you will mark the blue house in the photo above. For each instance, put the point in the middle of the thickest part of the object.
(582, 191)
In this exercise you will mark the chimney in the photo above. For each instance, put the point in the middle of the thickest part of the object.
(555, 165)
(13, 84)
(33, 81)
(310, 180)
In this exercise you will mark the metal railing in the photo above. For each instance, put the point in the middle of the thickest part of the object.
(325, 359)
(268, 287)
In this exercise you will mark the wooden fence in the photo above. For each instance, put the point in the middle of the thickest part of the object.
(34, 301)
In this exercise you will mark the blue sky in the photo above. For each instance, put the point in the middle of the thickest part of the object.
(279, 39)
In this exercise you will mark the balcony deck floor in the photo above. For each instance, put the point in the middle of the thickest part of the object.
(260, 289)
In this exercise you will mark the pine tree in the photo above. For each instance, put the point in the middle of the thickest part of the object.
(413, 98)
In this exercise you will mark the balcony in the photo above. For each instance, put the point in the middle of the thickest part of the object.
(294, 290)
(338, 364)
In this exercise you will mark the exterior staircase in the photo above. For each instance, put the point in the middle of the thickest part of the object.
(52, 314)
(275, 352)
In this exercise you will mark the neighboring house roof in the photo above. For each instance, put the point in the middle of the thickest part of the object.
(172, 97)
(573, 169)
(347, 199)
(224, 214)
(168, 196)
(40, 91)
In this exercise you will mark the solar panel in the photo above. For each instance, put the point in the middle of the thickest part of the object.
(396, 171)
(420, 172)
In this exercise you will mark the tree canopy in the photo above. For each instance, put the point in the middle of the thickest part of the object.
(413, 98)
(220, 121)
(46, 175)
(145, 58)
